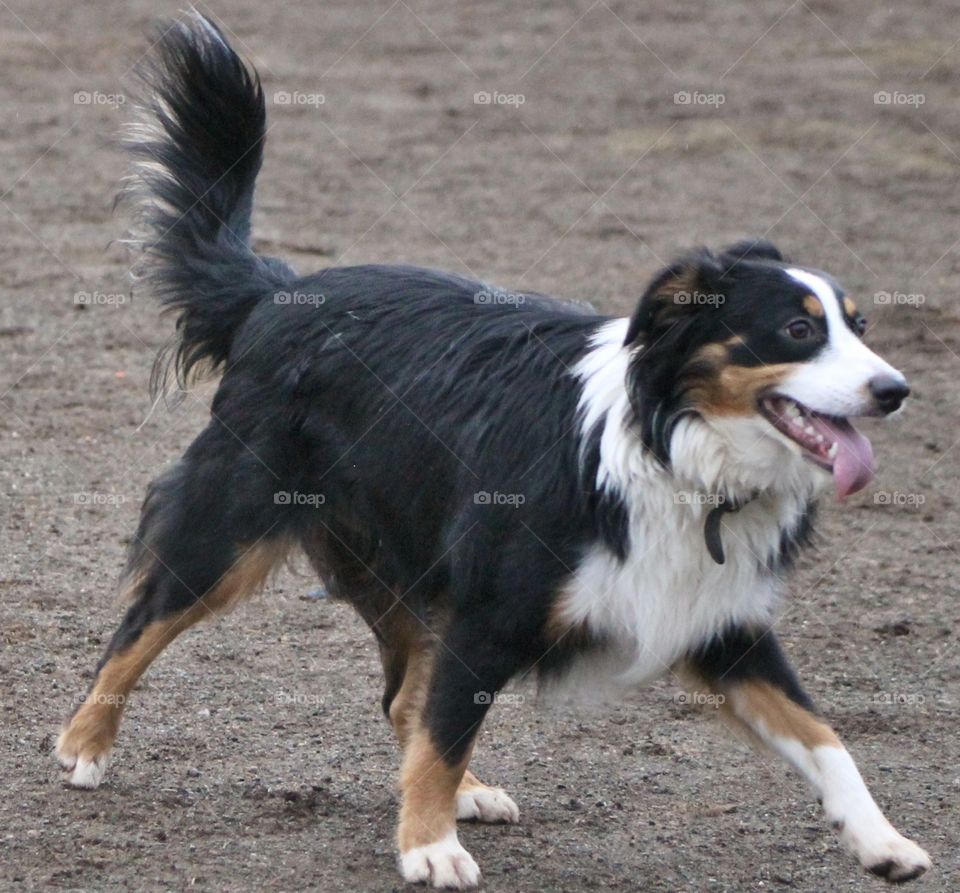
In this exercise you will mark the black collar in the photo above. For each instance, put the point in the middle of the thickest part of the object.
(711, 528)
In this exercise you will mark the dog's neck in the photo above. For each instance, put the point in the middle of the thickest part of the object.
(737, 462)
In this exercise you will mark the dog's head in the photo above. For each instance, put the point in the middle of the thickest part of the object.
(759, 364)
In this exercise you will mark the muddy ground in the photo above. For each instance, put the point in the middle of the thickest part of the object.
(254, 755)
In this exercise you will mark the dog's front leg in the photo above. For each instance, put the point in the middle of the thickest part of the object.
(464, 678)
(762, 696)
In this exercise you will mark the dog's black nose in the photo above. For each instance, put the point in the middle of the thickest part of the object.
(889, 392)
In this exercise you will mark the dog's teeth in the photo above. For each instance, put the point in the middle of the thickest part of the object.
(793, 411)
(832, 452)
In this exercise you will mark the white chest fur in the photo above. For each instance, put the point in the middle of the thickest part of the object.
(669, 596)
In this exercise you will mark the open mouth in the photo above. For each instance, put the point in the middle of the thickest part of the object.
(828, 441)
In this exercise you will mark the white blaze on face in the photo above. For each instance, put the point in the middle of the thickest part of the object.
(836, 381)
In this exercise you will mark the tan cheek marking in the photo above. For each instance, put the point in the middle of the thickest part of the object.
(813, 306)
(849, 307)
(733, 390)
(715, 354)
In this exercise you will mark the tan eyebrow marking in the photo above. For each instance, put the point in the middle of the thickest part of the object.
(811, 303)
(849, 307)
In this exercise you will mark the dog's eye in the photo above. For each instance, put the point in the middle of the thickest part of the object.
(860, 325)
(799, 329)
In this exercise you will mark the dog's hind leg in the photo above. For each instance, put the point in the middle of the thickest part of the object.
(761, 696)
(209, 536)
(406, 651)
(481, 802)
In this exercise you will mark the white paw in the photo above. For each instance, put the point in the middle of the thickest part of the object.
(83, 772)
(88, 773)
(891, 856)
(442, 864)
(487, 805)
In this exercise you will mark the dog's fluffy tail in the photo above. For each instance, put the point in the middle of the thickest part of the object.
(197, 148)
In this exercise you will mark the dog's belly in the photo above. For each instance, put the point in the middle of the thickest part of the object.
(669, 596)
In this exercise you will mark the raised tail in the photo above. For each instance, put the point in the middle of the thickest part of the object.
(198, 146)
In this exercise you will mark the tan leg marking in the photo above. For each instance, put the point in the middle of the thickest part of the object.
(429, 787)
(470, 781)
(474, 799)
(482, 803)
(429, 849)
(760, 702)
(412, 694)
(814, 750)
(86, 741)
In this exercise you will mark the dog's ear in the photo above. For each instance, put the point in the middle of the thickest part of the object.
(676, 293)
(751, 249)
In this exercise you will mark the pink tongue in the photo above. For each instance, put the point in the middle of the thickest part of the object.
(854, 466)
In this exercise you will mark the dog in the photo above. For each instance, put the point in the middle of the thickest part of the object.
(500, 483)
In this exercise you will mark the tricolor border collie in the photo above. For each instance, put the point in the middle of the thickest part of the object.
(498, 483)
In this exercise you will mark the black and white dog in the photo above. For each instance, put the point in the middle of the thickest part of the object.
(498, 483)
